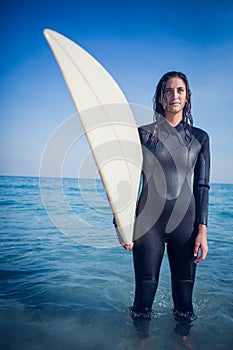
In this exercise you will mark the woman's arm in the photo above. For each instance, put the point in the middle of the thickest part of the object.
(201, 182)
(201, 194)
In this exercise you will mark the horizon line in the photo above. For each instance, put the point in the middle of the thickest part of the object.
(86, 178)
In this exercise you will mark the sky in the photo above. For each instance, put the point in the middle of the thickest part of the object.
(137, 42)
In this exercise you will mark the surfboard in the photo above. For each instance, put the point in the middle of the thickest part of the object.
(109, 126)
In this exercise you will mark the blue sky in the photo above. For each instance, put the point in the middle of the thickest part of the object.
(136, 42)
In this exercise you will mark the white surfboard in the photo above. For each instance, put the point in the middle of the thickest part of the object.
(109, 125)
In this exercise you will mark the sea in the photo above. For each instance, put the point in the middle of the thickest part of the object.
(67, 284)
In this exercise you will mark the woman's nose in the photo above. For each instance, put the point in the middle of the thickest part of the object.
(175, 94)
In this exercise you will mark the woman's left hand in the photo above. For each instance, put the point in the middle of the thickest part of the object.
(201, 243)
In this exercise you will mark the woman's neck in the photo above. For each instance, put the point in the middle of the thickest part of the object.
(174, 119)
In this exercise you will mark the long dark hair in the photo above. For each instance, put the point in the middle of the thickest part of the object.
(159, 97)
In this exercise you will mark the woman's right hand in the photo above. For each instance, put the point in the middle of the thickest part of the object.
(124, 245)
(128, 246)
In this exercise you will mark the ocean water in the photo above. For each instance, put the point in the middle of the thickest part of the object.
(65, 283)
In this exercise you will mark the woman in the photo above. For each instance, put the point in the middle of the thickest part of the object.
(173, 205)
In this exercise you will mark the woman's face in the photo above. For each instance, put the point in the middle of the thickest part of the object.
(174, 96)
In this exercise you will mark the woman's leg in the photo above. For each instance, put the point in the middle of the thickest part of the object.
(147, 253)
(180, 250)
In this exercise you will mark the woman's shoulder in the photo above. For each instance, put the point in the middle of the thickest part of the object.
(199, 133)
(144, 129)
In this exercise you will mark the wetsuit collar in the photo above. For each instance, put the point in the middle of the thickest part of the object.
(180, 126)
(167, 126)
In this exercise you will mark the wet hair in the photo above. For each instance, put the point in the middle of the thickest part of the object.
(159, 98)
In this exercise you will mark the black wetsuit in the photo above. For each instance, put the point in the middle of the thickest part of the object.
(173, 201)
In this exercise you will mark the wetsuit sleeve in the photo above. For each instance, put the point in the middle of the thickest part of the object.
(201, 182)
(142, 134)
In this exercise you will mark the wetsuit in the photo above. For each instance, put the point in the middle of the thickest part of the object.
(173, 201)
